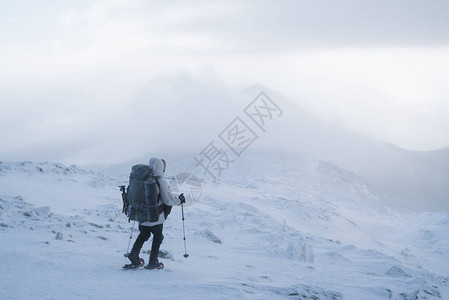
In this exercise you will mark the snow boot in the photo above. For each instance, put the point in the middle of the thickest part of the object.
(133, 266)
(134, 258)
(156, 266)
(136, 261)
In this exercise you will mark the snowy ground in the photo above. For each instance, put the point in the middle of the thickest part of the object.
(306, 231)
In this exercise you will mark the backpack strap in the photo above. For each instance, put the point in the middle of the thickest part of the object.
(159, 198)
(159, 187)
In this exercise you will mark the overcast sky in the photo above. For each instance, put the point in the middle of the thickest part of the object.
(69, 68)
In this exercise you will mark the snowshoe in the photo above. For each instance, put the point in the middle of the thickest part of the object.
(156, 266)
(133, 266)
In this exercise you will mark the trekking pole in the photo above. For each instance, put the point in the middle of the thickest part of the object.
(130, 238)
(184, 231)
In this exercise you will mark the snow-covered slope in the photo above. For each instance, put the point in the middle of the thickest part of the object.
(65, 188)
(289, 227)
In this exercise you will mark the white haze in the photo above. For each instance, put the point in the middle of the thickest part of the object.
(106, 82)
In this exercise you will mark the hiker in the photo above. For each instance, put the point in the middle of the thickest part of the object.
(166, 200)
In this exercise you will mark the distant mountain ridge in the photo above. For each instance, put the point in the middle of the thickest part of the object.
(420, 178)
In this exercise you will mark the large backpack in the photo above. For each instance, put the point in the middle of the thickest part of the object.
(142, 197)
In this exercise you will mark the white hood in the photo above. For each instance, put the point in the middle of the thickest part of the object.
(156, 167)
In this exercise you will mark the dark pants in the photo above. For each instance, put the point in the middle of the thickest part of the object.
(144, 235)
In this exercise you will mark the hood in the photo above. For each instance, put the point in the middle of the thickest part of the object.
(156, 167)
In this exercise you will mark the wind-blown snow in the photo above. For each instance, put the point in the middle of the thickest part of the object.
(295, 228)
